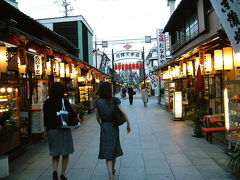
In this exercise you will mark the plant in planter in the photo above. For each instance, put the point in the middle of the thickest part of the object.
(234, 163)
(80, 110)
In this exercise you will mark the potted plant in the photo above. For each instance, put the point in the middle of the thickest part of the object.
(8, 127)
(80, 110)
(234, 163)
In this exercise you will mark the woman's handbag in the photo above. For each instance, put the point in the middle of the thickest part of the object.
(119, 118)
(65, 118)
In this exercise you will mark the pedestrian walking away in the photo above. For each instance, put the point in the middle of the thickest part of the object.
(131, 92)
(59, 139)
(123, 92)
(110, 147)
(144, 93)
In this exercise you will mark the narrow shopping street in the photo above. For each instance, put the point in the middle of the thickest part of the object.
(156, 149)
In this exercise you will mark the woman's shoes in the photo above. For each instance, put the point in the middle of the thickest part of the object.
(63, 177)
(55, 175)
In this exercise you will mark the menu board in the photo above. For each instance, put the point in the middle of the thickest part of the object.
(177, 105)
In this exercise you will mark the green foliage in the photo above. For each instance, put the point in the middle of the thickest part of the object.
(81, 109)
(234, 162)
(8, 125)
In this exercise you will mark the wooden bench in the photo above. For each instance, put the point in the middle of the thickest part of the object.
(211, 130)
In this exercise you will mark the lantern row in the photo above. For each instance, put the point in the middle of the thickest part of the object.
(128, 66)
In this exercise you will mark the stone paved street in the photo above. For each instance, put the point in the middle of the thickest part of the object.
(156, 149)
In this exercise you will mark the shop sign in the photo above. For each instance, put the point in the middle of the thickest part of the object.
(201, 56)
(161, 49)
(229, 15)
(177, 105)
(38, 65)
(127, 55)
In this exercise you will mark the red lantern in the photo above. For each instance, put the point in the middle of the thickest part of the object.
(137, 66)
(123, 66)
(119, 66)
(126, 66)
(115, 66)
(130, 66)
(141, 65)
(134, 66)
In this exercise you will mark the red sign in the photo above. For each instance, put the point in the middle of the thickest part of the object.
(127, 46)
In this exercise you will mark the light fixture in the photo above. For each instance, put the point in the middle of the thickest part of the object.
(9, 90)
(48, 67)
(190, 68)
(218, 59)
(67, 66)
(228, 58)
(58, 59)
(21, 68)
(177, 71)
(196, 63)
(56, 68)
(3, 59)
(32, 50)
(208, 62)
(184, 69)
(2, 90)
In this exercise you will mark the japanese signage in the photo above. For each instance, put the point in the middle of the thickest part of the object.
(38, 65)
(161, 47)
(229, 15)
(177, 105)
(127, 55)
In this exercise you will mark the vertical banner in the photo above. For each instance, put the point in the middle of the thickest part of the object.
(229, 14)
(161, 49)
(201, 56)
(38, 65)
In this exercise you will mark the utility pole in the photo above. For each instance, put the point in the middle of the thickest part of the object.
(113, 72)
(144, 74)
(96, 51)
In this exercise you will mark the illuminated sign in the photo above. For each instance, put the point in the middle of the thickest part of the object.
(177, 105)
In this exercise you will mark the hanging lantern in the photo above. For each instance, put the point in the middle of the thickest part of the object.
(38, 65)
(196, 63)
(115, 66)
(177, 71)
(119, 66)
(141, 65)
(3, 59)
(208, 62)
(137, 66)
(228, 58)
(237, 59)
(123, 66)
(56, 68)
(130, 66)
(190, 68)
(184, 69)
(48, 66)
(62, 69)
(67, 66)
(21, 68)
(134, 66)
(218, 59)
(126, 66)
(74, 72)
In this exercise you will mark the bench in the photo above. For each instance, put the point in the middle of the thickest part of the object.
(211, 130)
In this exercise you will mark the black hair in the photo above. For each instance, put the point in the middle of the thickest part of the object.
(105, 90)
(57, 91)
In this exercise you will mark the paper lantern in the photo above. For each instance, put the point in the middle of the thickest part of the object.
(184, 69)
(48, 66)
(123, 66)
(115, 66)
(119, 66)
(237, 59)
(130, 66)
(3, 59)
(218, 59)
(62, 69)
(21, 68)
(137, 66)
(228, 58)
(177, 71)
(67, 67)
(196, 63)
(134, 66)
(74, 72)
(190, 68)
(208, 62)
(141, 65)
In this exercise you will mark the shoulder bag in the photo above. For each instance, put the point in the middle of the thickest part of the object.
(65, 118)
(118, 115)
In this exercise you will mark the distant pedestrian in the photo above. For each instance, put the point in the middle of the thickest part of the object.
(131, 92)
(123, 92)
(110, 147)
(60, 140)
(144, 93)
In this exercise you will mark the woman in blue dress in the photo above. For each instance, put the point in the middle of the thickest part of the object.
(110, 147)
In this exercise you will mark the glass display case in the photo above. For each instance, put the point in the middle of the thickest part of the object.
(86, 93)
(232, 108)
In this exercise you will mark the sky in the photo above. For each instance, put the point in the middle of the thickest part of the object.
(109, 19)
